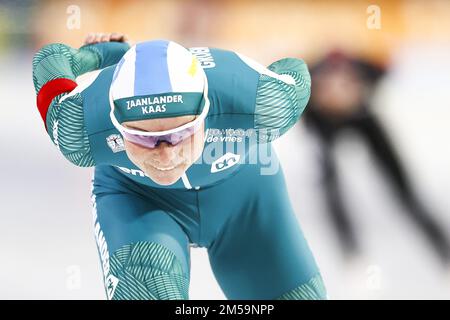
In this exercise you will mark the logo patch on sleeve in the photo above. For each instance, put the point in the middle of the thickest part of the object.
(115, 142)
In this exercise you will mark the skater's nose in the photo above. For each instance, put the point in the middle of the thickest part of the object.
(166, 153)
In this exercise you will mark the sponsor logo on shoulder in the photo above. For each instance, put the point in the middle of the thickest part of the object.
(225, 162)
(115, 142)
(204, 56)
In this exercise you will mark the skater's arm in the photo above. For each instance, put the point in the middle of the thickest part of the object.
(283, 92)
(55, 69)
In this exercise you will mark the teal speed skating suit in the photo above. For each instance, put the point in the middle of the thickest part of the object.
(233, 201)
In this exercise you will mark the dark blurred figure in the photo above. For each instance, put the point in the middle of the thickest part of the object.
(341, 91)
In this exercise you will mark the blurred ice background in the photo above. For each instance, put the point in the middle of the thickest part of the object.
(46, 239)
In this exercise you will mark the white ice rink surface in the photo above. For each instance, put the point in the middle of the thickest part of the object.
(47, 245)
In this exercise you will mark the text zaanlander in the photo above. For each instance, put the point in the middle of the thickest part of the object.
(154, 104)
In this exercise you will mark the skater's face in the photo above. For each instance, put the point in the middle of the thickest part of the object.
(165, 163)
(338, 92)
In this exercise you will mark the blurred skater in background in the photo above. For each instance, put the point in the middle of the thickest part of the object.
(342, 87)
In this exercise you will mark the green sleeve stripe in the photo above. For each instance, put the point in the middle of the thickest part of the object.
(147, 270)
(58, 60)
(66, 129)
(65, 121)
(314, 289)
(279, 104)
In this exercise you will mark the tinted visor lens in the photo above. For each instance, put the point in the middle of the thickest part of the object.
(153, 141)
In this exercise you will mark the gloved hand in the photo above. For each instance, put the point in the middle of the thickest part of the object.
(109, 47)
